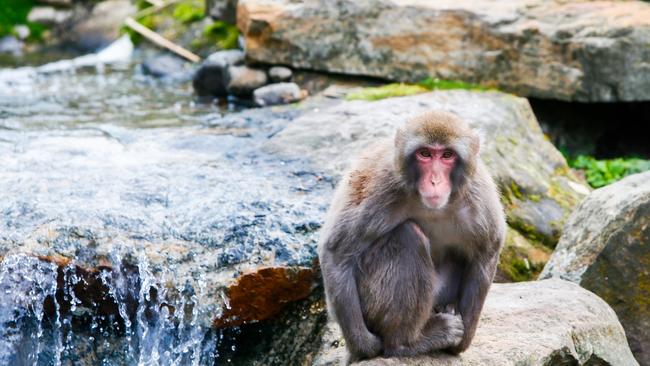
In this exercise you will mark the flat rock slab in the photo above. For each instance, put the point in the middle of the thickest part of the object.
(577, 50)
(550, 322)
(605, 248)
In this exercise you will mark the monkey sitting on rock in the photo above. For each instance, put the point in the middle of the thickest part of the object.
(411, 242)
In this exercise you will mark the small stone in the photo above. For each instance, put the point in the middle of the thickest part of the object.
(211, 78)
(226, 58)
(22, 31)
(11, 45)
(163, 65)
(49, 15)
(242, 80)
(280, 93)
(280, 73)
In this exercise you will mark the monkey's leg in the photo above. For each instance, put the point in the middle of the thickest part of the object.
(343, 299)
(442, 331)
(473, 290)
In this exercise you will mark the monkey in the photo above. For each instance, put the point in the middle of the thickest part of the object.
(411, 241)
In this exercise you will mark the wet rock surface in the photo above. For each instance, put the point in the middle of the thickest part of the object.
(155, 210)
(605, 249)
(549, 322)
(579, 51)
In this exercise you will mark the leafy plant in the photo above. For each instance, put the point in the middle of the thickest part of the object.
(188, 12)
(15, 12)
(223, 34)
(600, 173)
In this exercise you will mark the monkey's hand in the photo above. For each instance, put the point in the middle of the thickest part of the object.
(364, 346)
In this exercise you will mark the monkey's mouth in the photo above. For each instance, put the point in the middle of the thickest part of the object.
(435, 201)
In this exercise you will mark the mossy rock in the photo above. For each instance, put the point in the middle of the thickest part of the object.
(606, 249)
(521, 259)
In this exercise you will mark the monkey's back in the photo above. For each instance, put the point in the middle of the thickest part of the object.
(393, 275)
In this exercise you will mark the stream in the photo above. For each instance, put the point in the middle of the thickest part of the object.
(126, 207)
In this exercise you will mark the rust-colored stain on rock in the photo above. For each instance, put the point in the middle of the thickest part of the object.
(262, 294)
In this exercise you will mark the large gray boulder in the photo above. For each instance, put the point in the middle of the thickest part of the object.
(539, 191)
(583, 51)
(605, 248)
(543, 323)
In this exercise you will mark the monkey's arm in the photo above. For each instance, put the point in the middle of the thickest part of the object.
(475, 284)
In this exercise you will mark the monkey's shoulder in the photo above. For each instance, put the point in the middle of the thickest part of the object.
(373, 181)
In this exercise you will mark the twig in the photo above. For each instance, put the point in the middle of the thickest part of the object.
(152, 9)
(157, 3)
(160, 40)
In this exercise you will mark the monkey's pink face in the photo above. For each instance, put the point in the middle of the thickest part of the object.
(435, 164)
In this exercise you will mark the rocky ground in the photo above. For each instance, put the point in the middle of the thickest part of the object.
(185, 227)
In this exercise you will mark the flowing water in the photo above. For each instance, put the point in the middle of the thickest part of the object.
(140, 187)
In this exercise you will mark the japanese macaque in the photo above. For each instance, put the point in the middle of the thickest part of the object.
(411, 242)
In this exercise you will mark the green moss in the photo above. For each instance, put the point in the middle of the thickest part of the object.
(600, 173)
(189, 11)
(438, 84)
(386, 91)
(403, 89)
(517, 265)
(223, 34)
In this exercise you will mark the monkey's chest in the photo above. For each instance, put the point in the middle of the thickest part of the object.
(445, 234)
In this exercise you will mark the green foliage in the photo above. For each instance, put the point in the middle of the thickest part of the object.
(188, 12)
(603, 172)
(223, 34)
(15, 12)
(438, 84)
(386, 91)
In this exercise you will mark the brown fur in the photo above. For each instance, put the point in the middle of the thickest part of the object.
(359, 185)
(388, 262)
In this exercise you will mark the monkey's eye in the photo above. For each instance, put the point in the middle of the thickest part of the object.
(425, 153)
(447, 154)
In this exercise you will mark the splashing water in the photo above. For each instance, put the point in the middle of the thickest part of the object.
(51, 315)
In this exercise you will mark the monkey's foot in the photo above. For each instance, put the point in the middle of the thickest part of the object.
(364, 346)
(443, 331)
